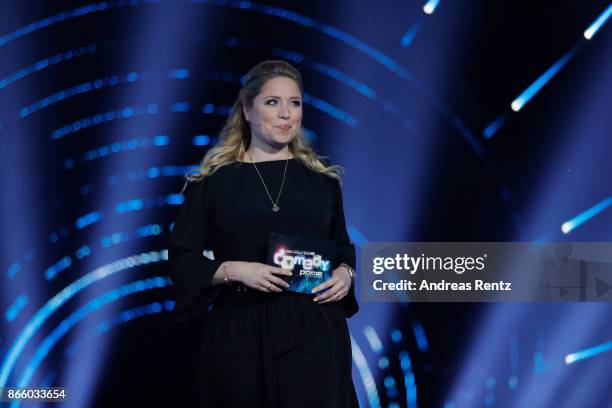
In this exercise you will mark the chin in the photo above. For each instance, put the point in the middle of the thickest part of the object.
(282, 140)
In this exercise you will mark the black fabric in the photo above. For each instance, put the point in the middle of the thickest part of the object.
(262, 349)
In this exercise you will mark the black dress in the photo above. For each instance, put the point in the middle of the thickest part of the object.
(262, 350)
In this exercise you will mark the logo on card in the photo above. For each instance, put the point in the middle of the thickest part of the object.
(310, 264)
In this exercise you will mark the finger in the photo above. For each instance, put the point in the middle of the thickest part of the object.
(271, 286)
(278, 281)
(262, 287)
(280, 271)
(334, 298)
(330, 293)
(266, 286)
(325, 285)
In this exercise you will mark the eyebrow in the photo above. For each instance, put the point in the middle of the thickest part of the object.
(274, 96)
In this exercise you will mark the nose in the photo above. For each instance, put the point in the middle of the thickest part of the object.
(283, 111)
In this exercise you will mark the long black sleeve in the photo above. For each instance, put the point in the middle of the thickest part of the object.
(190, 271)
(345, 250)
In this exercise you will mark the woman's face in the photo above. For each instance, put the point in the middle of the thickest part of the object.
(276, 114)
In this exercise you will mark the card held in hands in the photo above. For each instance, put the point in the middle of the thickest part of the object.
(309, 259)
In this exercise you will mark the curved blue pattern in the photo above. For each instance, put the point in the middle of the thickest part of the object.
(13, 310)
(152, 108)
(41, 316)
(84, 251)
(371, 52)
(54, 19)
(118, 147)
(330, 72)
(80, 89)
(108, 116)
(373, 339)
(366, 374)
(331, 110)
(125, 316)
(81, 313)
(47, 62)
(409, 383)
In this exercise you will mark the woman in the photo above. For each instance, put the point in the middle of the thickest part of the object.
(263, 346)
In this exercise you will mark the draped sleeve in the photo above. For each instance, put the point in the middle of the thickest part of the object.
(345, 250)
(190, 271)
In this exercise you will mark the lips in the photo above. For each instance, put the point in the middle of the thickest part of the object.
(283, 127)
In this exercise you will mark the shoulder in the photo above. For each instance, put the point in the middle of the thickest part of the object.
(327, 185)
(325, 178)
(193, 188)
(313, 174)
(218, 176)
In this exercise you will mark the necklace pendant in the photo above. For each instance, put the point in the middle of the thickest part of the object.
(275, 208)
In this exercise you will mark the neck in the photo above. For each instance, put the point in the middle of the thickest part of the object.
(256, 154)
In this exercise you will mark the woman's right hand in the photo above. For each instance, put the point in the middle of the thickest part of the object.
(259, 276)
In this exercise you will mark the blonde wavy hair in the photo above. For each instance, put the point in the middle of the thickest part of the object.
(235, 137)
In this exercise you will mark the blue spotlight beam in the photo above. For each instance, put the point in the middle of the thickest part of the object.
(518, 103)
(408, 37)
(490, 130)
(588, 353)
(570, 225)
(431, 6)
(597, 24)
(534, 88)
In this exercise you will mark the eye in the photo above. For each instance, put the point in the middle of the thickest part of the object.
(296, 103)
(271, 102)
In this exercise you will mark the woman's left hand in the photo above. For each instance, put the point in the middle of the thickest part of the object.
(337, 287)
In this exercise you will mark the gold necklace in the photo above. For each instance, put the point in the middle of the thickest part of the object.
(275, 206)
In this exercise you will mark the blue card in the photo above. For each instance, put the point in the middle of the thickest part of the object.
(309, 259)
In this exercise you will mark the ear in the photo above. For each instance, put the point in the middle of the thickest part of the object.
(247, 113)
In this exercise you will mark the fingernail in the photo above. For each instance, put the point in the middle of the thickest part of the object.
(315, 299)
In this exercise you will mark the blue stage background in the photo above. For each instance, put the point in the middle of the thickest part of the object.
(455, 120)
